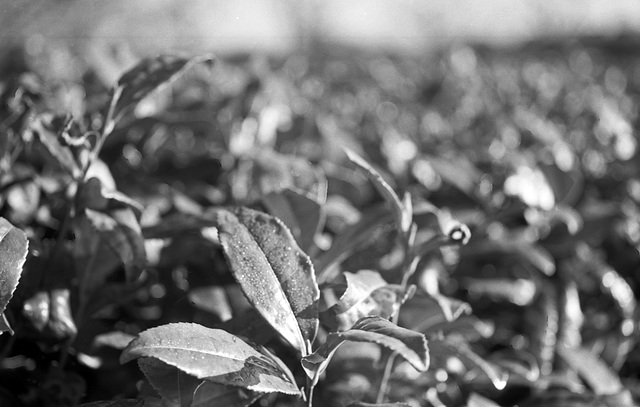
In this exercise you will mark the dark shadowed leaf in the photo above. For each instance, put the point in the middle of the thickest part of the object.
(170, 382)
(600, 377)
(350, 239)
(276, 276)
(149, 75)
(302, 215)
(401, 213)
(536, 255)
(13, 252)
(411, 345)
(448, 350)
(213, 394)
(211, 354)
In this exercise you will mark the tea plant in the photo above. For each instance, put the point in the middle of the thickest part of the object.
(227, 233)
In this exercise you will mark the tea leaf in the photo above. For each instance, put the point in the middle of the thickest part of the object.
(366, 293)
(13, 252)
(276, 276)
(211, 354)
(170, 382)
(213, 394)
(411, 345)
(363, 404)
(302, 215)
(401, 213)
(149, 75)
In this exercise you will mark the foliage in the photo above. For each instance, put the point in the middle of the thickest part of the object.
(362, 231)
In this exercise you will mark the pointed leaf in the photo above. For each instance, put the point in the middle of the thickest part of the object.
(411, 345)
(13, 252)
(276, 276)
(211, 354)
(401, 213)
(149, 75)
(4, 325)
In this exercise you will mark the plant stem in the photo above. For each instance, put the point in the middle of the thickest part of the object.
(386, 375)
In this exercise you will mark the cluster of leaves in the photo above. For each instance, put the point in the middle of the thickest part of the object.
(220, 224)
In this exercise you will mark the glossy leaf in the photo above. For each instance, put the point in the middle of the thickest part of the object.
(276, 276)
(211, 354)
(412, 346)
(13, 252)
(401, 213)
(149, 75)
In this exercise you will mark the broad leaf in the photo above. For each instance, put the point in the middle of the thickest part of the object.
(411, 345)
(149, 75)
(450, 353)
(600, 377)
(212, 354)
(401, 213)
(363, 293)
(276, 276)
(302, 215)
(13, 252)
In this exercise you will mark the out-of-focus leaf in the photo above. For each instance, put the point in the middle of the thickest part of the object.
(117, 403)
(116, 339)
(402, 214)
(459, 172)
(542, 318)
(353, 237)
(561, 397)
(213, 394)
(47, 128)
(149, 75)
(600, 377)
(50, 313)
(519, 291)
(250, 324)
(302, 215)
(212, 299)
(456, 357)
(121, 232)
(363, 404)
(411, 345)
(276, 276)
(274, 172)
(4, 324)
(566, 185)
(13, 252)
(211, 354)
(428, 314)
(170, 382)
(537, 256)
(476, 400)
